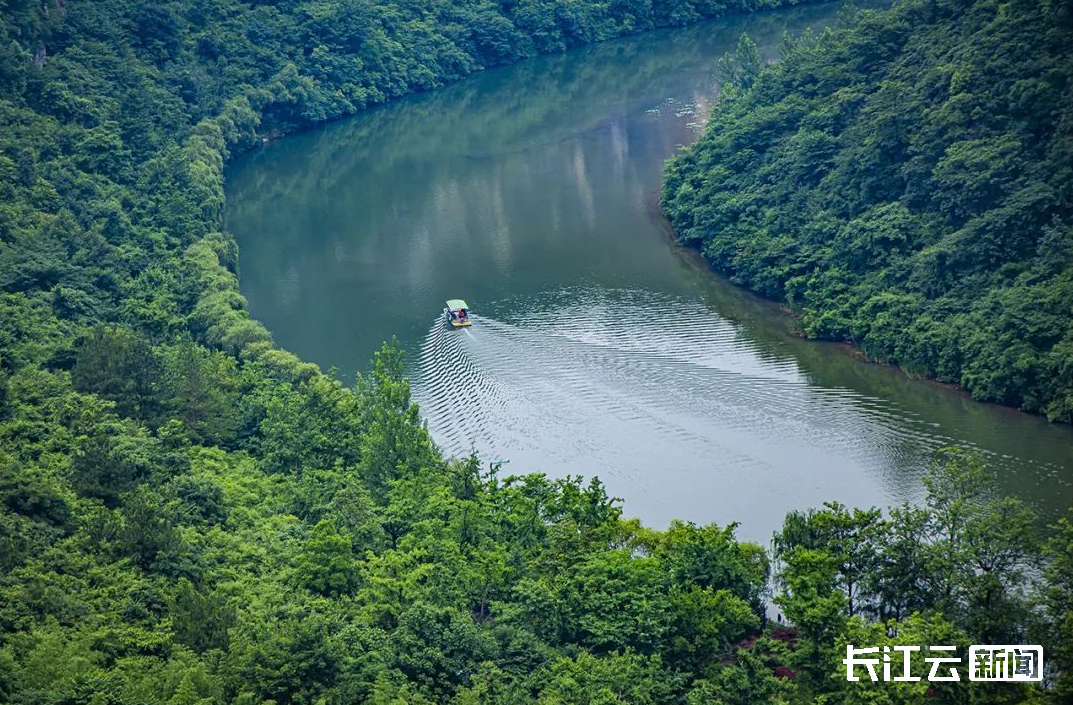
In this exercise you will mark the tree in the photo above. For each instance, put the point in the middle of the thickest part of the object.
(900, 582)
(121, 366)
(112, 458)
(394, 443)
(616, 678)
(739, 71)
(705, 623)
(814, 604)
(1057, 593)
(439, 648)
(711, 557)
(849, 537)
(293, 658)
(745, 680)
(202, 391)
(980, 546)
(201, 620)
(326, 564)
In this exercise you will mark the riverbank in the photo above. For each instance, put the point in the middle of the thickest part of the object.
(239, 127)
(692, 254)
(191, 515)
(874, 244)
(528, 190)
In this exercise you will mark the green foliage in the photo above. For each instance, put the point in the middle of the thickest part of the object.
(202, 392)
(740, 70)
(111, 458)
(121, 366)
(963, 562)
(326, 563)
(438, 648)
(749, 678)
(193, 516)
(624, 677)
(904, 183)
(200, 621)
(1058, 605)
(395, 444)
(812, 601)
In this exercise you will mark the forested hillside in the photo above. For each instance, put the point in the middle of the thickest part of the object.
(191, 516)
(906, 184)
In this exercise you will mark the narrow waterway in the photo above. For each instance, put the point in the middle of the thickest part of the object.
(598, 347)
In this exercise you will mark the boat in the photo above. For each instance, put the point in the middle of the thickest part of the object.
(457, 313)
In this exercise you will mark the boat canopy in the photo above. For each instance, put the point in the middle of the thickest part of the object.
(456, 304)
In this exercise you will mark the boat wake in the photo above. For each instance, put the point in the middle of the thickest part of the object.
(578, 385)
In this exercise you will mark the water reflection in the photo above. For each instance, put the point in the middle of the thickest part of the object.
(598, 348)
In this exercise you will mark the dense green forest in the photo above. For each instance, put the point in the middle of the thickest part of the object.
(192, 516)
(906, 184)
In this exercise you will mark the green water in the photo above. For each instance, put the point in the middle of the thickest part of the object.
(598, 347)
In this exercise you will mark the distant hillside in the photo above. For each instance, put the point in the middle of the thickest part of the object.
(905, 183)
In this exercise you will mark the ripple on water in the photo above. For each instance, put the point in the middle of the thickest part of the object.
(678, 415)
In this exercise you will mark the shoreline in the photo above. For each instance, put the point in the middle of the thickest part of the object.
(694, 258)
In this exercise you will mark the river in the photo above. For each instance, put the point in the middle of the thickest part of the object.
(598, 348)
